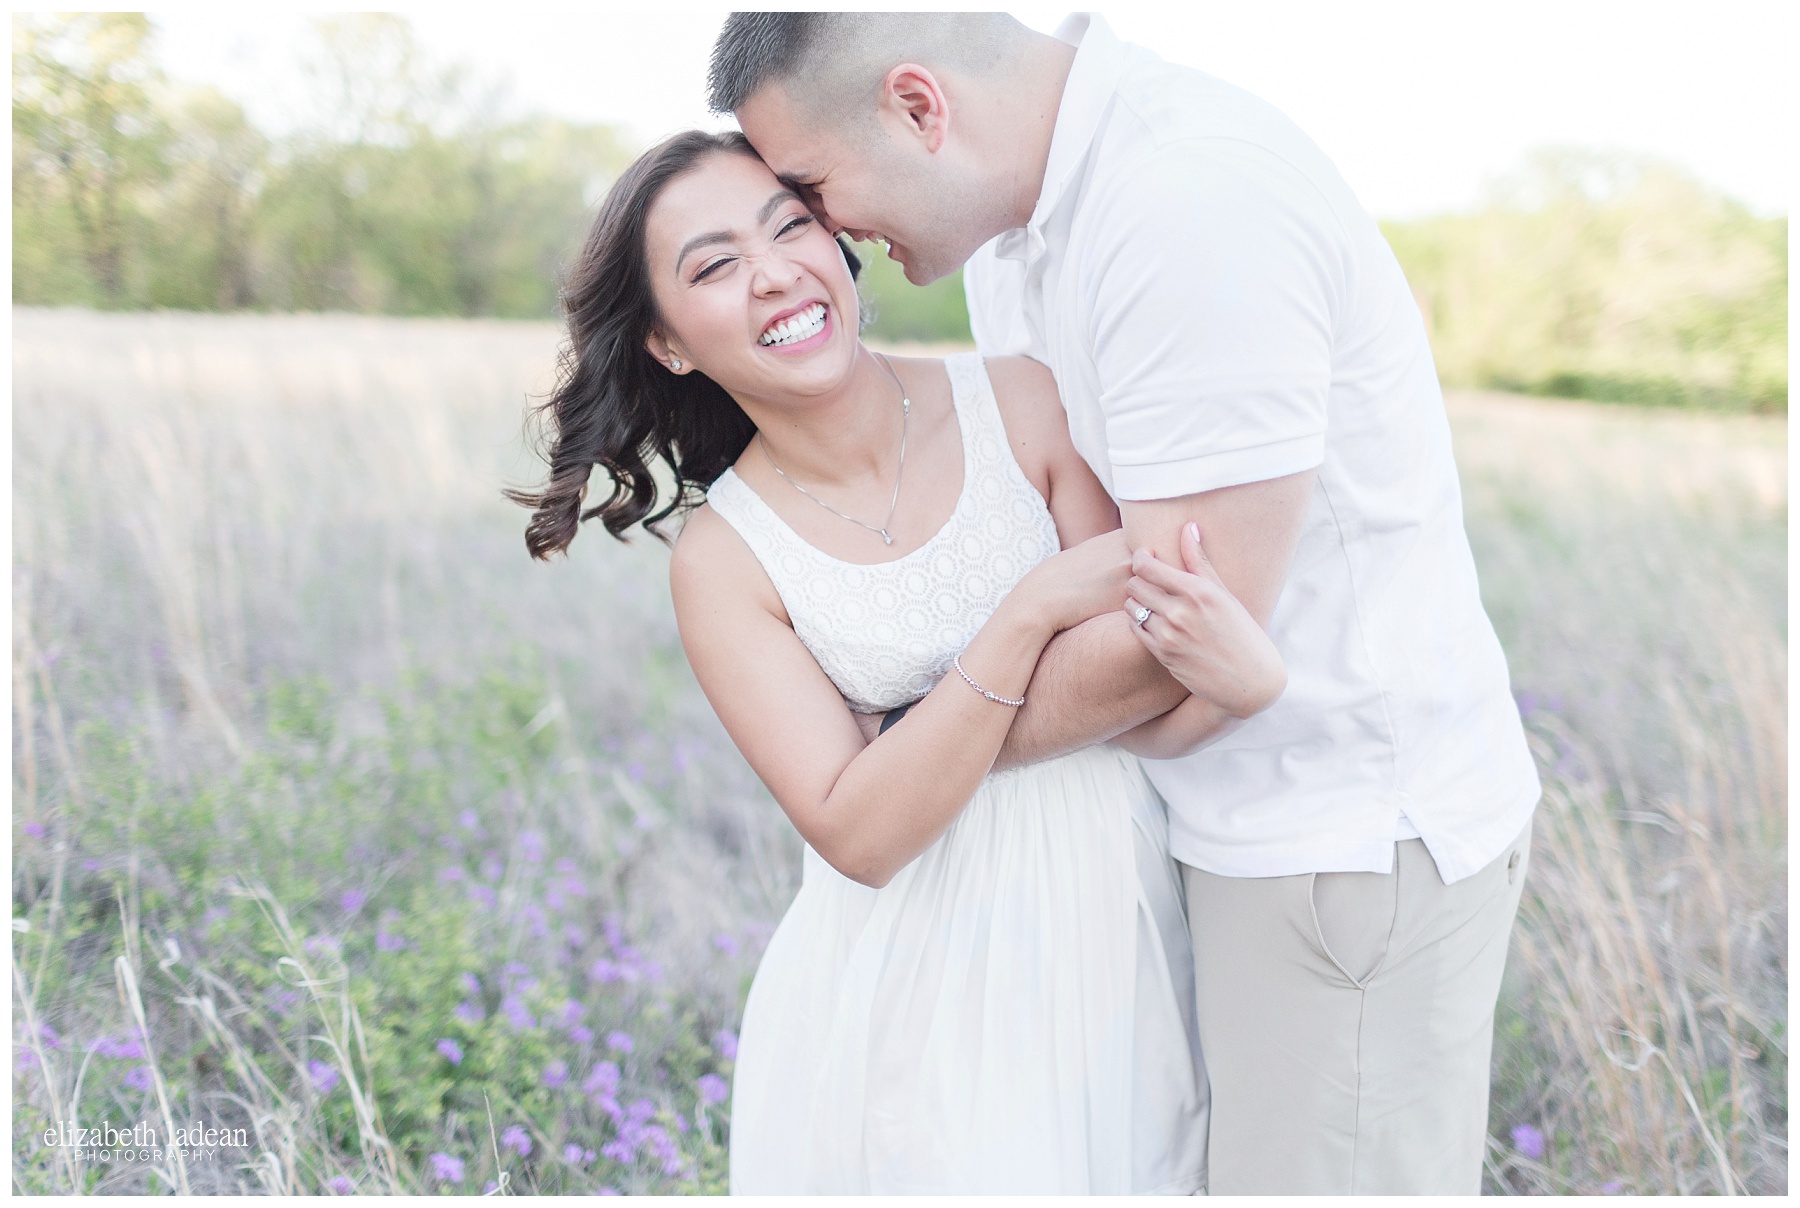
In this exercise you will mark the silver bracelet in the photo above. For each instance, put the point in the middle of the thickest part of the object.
(993, 696)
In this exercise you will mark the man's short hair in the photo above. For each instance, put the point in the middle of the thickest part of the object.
(833, 62)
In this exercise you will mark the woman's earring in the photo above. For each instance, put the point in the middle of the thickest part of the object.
(675, 364)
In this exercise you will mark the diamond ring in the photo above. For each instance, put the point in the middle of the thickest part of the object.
(1140, 614)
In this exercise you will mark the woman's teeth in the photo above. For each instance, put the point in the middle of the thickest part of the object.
(803, 326)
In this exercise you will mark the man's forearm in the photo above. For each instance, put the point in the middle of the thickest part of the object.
(1092, 683)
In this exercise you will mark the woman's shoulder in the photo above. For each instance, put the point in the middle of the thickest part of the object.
(704, 539)
(711, 562)
(1032, 411)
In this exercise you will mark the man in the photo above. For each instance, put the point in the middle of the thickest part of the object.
(1240, 359)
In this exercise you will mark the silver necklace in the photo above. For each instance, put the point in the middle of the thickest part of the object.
(905, 415)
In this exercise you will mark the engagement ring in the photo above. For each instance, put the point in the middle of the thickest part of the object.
(1140, 614)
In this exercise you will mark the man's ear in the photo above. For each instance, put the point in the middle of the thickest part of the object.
(913, 95)
(670, 356)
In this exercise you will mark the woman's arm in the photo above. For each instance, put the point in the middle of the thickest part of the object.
(868, 808)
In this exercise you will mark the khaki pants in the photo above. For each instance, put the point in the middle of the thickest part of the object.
(1347, 1020)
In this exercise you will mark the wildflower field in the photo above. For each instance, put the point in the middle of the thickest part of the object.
(401, 863)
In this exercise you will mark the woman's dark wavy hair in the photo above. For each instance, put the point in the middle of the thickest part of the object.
(615, 405)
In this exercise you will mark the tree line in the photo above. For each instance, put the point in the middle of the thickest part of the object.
(407, 192)
(404, 194)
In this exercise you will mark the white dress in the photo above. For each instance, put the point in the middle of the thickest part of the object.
(1013, 1012)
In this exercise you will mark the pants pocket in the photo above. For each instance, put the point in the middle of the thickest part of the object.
(1353, 918)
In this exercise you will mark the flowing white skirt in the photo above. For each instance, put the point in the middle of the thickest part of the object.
(1012, 1013)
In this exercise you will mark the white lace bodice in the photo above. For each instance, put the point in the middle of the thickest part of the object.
(885, 633)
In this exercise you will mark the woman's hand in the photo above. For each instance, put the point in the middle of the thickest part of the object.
(1201, 633)
(1083, 581)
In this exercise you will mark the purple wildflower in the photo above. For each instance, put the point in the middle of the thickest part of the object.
(620, 1042)
(49, 1036)
(339, 1184)
(446, 1169)
(128, 1049)
(555, 1074)
(604, 970)
(726, 1042)
(608, 1191)
(1612, 1188)
(324, 1077)
(581, 1035)
(451, 872)
(571, 1013)
(516, 1138)
(491, 867)
(468, 1012)
(1528, 1140)
(535, 919)
(726, 943)
(604, 1081)
(320, 945)
(489, 1187)
(531, 846)
(451, 1050)
(138, 1078)
(90, 865)
(482, 894)
(34, 829)
(387, 941)
(352, 900)
(513, 1007)
(25, 1059)
(471, 983)
(469, 819)
(713, 1089)
(564, 864)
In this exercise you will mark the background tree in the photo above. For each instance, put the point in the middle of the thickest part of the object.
(88, 133)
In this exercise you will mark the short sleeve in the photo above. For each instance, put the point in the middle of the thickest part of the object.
(1213, 274)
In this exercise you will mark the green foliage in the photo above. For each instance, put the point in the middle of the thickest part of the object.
(934, 313)
(88, 138)
(1600, 277)
(423, 897)
(405, 195)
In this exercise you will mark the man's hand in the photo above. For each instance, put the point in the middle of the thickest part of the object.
(1201, 633)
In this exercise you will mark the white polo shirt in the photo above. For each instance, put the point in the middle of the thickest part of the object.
(1217, 309)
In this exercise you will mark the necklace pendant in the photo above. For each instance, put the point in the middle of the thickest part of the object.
(884, 536)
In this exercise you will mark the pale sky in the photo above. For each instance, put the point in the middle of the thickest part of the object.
(1419, 103)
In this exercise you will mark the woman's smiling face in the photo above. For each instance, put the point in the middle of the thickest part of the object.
(750, 288)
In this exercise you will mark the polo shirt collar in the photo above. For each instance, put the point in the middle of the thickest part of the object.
(1100, 62)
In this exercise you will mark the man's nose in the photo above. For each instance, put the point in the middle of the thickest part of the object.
(817, 205)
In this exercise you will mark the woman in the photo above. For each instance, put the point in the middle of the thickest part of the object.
(982, 984)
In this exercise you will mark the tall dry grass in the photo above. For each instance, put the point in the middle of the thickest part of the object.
(277, 643)
(1635, 565)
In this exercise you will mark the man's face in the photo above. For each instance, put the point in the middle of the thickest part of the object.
(870, 180)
